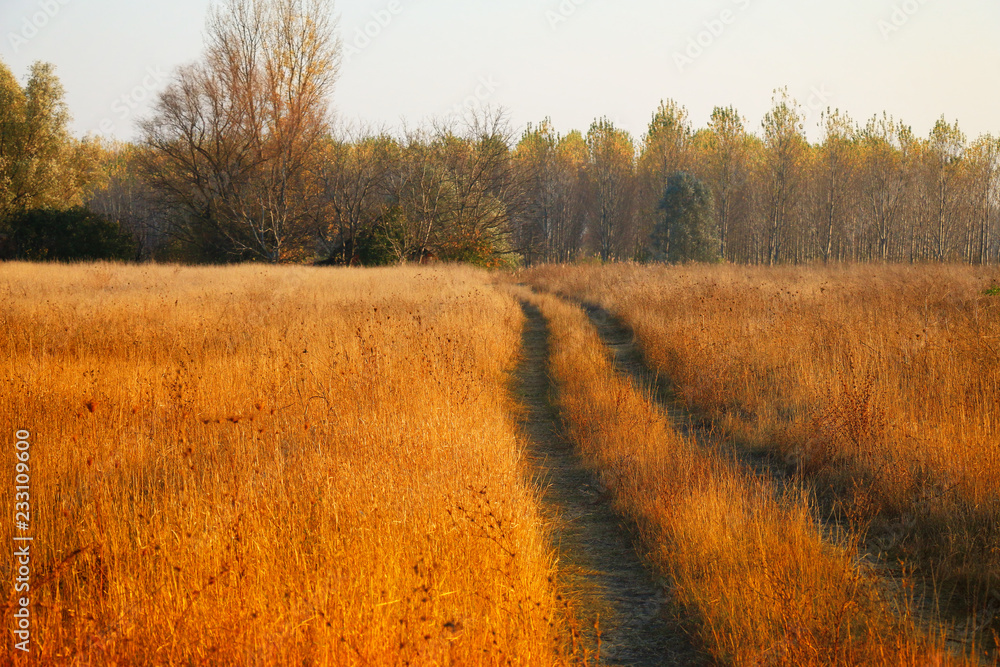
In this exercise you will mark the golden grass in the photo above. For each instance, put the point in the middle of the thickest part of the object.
(273, 466)
(880, 383)
(747, 561)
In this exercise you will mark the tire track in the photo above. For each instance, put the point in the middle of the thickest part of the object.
(629, 360)
(598, 564)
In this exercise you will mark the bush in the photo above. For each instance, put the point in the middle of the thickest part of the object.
(481, 249)
(77, 234)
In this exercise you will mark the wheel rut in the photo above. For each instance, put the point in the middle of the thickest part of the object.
(599, 567)
(630, 362)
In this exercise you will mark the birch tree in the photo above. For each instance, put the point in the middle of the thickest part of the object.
(611, 178)
(886, 148)
(785, 150)
(727, 168)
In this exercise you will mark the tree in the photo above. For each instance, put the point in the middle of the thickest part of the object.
(11, 120)
(488, 191)
(70, 235)
(665, 151)
(233, 139)
(455, 193)
(41, 165)
(886, 148)
(984, 166)
(686, 230)
(552, 168)
(127, 199)
(833, 176)
(783, 169)
(943, 161)
(572, 158)
(353, 174)
(728, 167)
(418, 198)
(536, 159)
(611, 177)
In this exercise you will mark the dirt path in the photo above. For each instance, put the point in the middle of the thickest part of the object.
(599, 567)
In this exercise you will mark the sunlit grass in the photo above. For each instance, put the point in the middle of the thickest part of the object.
(748, 561)
(273, 466)
(880, 384)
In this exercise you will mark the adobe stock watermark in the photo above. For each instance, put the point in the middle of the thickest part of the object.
(477, 101)
(714, 29)
(901, 14)
(124, 107)
(21, 596)
(364, 35)
(31, 26)
(563, 13)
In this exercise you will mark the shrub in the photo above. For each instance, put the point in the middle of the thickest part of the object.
(77, 234)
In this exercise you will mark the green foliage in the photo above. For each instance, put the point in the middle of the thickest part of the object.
(41, 165)
(481, 250)
(376, 246)
(73, 235)
(992, 291)
(686, 231)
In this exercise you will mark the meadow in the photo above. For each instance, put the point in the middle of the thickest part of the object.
(259, 465)
(745, 557)
(273, 466)
(875, 385)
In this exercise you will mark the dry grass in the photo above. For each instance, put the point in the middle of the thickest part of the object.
(748, 562)
(879, 383)
(273, 466)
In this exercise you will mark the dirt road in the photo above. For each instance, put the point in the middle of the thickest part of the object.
(599, 566)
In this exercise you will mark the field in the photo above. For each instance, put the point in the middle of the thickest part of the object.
(273, 466)
(440, 465)
(876, 388)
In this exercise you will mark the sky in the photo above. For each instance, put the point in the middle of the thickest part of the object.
(408, 62)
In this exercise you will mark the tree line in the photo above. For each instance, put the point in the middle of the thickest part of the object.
(870, 191)
(239, 160)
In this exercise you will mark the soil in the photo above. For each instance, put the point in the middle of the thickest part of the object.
(599, 568)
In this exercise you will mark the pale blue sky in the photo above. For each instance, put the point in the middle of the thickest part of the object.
(572, 60)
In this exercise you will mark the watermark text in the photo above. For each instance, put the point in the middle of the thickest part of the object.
(32, 25)
(22, 541)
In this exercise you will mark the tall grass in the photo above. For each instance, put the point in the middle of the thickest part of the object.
(748, 561)
(272, 466)
(881, 384)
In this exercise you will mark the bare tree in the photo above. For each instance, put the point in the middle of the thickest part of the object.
(984, 165)
(833, 176)
(354, 172)
(886, 151)
(233, 138)
(489, 190)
